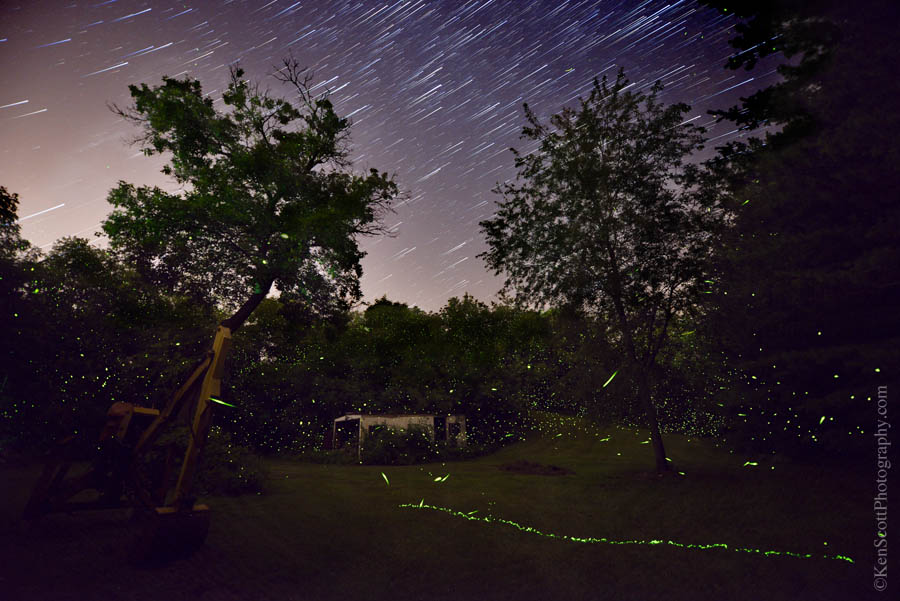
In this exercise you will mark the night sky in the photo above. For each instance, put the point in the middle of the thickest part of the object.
(434, 89)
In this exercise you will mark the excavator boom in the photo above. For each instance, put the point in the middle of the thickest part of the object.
(172, 521)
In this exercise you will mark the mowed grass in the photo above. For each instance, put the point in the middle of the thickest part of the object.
(338, 532)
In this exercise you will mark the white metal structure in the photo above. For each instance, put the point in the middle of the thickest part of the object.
(353, 428)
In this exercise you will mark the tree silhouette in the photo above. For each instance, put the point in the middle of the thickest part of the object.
(607, 217)
(268, 196)
(799, 31)
(806, 308)
(10, 231)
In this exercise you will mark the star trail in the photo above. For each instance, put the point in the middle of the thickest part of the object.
(434, 89)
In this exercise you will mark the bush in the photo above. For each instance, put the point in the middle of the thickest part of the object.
(229, 468)
(388, 452)
(386, 446)
(224, 467)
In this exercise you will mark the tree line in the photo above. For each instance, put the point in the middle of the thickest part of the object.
(90, 332)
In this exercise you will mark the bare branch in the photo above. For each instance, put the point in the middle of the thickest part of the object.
(298, 77)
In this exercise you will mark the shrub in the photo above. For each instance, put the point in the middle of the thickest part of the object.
(229, 468)
(386, 446)
(224, 467)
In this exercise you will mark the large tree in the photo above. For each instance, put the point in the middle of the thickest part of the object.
(606, 217)
(797, 30)
(806, 306)
(268, 196)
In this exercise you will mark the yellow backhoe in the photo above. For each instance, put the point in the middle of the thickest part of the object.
(173, 524)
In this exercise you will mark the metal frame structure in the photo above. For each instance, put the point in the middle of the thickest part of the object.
(402, 420)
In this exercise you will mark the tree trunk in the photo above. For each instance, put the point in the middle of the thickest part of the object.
(659, 450)
(237, 320)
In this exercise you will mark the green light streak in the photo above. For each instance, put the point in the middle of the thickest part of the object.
(611, 378)
(593, 540)
(385, 479)
(220, 401)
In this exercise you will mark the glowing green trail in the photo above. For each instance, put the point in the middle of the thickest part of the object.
(590, 539)
(610, 378)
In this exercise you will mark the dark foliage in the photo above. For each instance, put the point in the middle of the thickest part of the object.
(807, 34)
(269, 197)
(88, 332)
(225, 467)
(386, 446)
(805, 315)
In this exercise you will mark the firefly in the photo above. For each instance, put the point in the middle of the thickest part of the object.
(611, 378)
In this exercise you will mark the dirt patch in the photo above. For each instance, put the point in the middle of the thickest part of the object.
(527, 467)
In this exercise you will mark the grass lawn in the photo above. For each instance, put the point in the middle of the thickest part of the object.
(338, 532)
